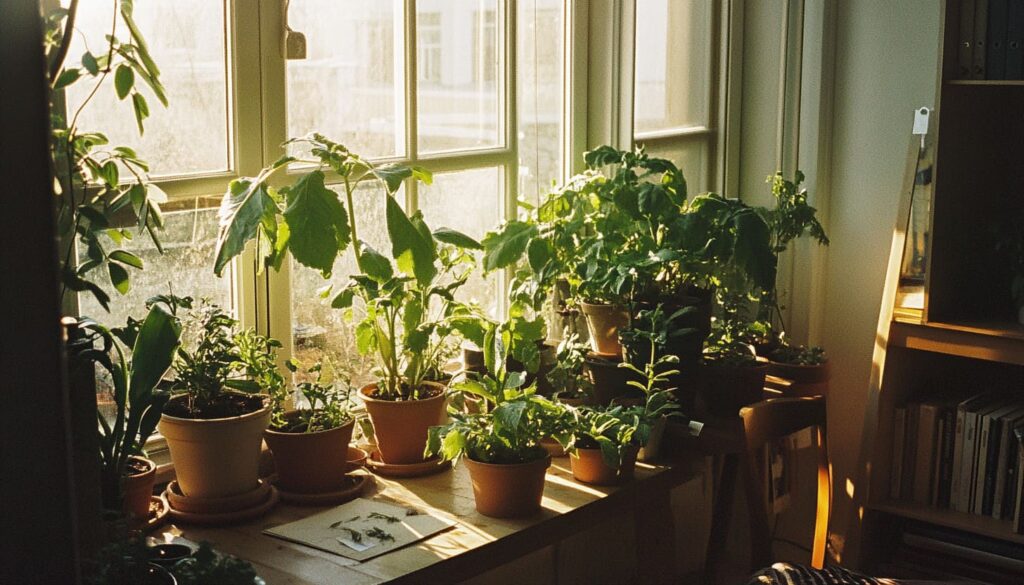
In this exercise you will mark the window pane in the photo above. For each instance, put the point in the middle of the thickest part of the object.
(673, 55)
(349, 86)
(691, 158)
(185, 268)
(320, 332)
(468, 201)
(457, 58)
(186, 39)
(539, 52)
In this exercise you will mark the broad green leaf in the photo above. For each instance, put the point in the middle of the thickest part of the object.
(119, 277)
(66, 78)
(413, 254)
(508, 415)
(141, 109)
(124, 80)
(506, 246)
(392, 175)
(154, 350)
(453, 445)
(244, 211)
(373, 264)
(752, 250)
(126, 257)
(456, 238)
(344, 299)
(317, 223)
(110, 173)
(90, 64)
(538, 252)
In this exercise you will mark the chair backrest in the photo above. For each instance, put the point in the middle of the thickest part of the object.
(774, 419)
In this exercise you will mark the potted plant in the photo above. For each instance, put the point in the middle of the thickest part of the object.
(127, 476)
(568, 377)
(310, 444)
(214, 424)
(127, 562)
(731, 376)
(502, 447)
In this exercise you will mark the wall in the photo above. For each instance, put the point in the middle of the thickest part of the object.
(885, 65)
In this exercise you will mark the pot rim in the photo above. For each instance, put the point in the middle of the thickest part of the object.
(535, 463)
(801, 366)
(363, 392)
(223, 420)
(584, 304)
(351, 420)
(150, 466)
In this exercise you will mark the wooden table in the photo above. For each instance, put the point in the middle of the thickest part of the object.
(476, 543)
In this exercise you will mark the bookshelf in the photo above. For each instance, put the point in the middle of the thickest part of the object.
(952, 330)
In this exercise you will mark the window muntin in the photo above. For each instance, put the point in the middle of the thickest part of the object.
(188, 41)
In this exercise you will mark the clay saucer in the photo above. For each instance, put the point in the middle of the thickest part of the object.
(354, 485)
(356, 458)
(181, 503)
(233, 517)
(428, 467)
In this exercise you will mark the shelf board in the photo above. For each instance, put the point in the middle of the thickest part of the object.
(992, 341)
(973, 523)
(989, 82)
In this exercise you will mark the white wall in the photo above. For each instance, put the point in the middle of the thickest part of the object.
(885, 65)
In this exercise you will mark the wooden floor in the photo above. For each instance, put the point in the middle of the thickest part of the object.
(476, 544)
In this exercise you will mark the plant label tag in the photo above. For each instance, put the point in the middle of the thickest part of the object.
(356, 546)
(921, 121)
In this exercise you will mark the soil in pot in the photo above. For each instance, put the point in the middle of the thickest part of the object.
(588, 466)
(508, 490)
(216, 457)
(310, 463)
(608, 379)
(603, 324)
(140, 477)
(725, 389)
(400, 426)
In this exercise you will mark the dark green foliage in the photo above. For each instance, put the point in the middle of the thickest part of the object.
(206, 567)
(329, 402)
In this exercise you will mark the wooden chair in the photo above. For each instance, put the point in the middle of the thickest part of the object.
(771, 420)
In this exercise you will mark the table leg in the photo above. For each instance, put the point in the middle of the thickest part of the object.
(724, 496)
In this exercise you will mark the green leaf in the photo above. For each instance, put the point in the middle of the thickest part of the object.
(124, 80)
(90, 64)
(110, 173)
(66, 78)
(246, 209)
(456, 238)
(453, 445)
(508, 415)
(126, 257)
(539, 253)
(141, 109)
(119, 277)
(344, 299)
(154, 350)
(373, 264)
(317, 222)
(506, 246)
(753, 249)
(413, 255)
(392, 175)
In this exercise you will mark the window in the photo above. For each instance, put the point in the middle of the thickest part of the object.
(673, 89)
(428, 50)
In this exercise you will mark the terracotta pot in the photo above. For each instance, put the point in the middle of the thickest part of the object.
(651, 450)
(138, 489)
(310, 463)
(603, 324)
(215, 458)
(508, 491)
(805, 380)
(401, 426)
(609, 380)
(355, 459)
(727, 389)
(588, 466)
(553, 447)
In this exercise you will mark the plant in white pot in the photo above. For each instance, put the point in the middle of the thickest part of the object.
(214, 423)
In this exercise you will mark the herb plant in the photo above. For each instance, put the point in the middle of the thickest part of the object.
(206, 566)
(568, 376)
(329, 402)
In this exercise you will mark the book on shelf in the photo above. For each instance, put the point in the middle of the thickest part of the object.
(1004, 463)
(988, 455)
(969, 455)
(1018, 506)
(898, 434)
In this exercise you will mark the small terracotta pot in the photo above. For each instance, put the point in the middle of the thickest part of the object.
(588, 466)
(355, 458)
(508, 491)
(603, 324)
(609, 380)
(310, 463)
(806, 380)
(727, 389)
(138, 489)
(216, 458)
(401, 426)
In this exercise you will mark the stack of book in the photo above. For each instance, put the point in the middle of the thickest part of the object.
(991, 39)
(935, 552)
(962, 455)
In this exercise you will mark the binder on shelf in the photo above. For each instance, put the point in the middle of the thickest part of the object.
(1015, 39)
(995, 60)
(980, 33)
(965, 51)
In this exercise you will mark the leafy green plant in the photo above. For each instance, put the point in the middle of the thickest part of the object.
(135, 393)
(652, 334)
(100, 189)
(329, 402)
(206, 566)
(223, 358)
(568, 376)
(733, 334)
(518, 418)
(798, 355)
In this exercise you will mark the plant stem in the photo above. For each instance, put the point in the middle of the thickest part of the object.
(65, 42)
(352, 219)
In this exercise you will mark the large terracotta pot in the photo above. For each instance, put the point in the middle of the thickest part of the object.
(138, 488)
(805, 380)
(603, 324)
(401, 426)
(508, 491)
(588, 466)
(310, 463)
(215, 458)
(727, 389)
